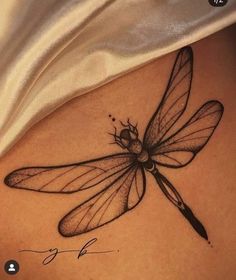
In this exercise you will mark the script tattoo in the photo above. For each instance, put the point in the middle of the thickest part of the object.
(118, 180)
(52, 253)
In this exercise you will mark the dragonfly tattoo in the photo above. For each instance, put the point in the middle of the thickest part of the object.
(118, 181)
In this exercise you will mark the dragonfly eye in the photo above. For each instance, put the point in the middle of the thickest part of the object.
(125, 137)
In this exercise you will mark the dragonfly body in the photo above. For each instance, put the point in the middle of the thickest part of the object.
(118, 181)
(128, 139)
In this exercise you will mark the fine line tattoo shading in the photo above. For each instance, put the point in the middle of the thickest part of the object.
(118, 180)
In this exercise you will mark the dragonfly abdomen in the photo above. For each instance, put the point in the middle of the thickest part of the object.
(149, 165)
(146, 160)
(143, 156)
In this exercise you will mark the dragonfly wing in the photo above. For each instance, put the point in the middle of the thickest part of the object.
(73, 177)
(123, 194)
(174, 101)
(180, 149)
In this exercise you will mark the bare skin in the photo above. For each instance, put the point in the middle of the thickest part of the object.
(153, 241)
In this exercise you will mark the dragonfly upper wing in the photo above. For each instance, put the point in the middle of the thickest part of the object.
(180, 148)
(174, 101)
(71, 178)
(123, 194)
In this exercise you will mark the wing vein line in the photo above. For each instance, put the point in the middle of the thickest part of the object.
(58, 176)
(99, 195)
(154, 147)
(136, 187)
(173, 78)
(93, 166)
(205, 116)
(134, 176)
(105, 177)
(87, 172)
(89, 165)
(178, 83)
(200, 137)
(170, 158)
(182, 95)
(30, 176)
(193, 133)
(113, 194)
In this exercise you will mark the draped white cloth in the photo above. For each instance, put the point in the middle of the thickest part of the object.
(55, 50)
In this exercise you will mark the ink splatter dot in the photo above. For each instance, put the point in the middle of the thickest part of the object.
(110, 116)
(209, 242)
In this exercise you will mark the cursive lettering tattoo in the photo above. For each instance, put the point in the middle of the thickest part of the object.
(52, 253)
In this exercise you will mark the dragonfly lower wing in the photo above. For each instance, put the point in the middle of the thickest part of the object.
(120, 196)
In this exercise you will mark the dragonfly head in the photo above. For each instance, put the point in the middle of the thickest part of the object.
(127, 136)
(129, 139)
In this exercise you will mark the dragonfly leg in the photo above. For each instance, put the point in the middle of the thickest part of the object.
(117, 139)
(131, 127)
